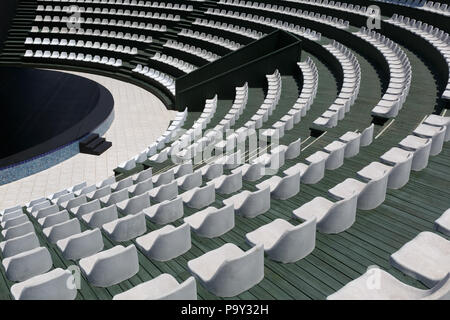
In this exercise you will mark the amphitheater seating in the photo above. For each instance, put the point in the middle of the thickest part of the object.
(154, 43)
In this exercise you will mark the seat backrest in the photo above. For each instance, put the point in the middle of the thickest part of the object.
(341, 215)
(115, 261)
(234, 271)
(301, 237)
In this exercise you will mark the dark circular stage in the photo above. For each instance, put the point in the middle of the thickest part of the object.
(45, 110)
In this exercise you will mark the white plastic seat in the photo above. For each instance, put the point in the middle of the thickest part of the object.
(98, 218)
(199, 197)
(250, 204)
(81, 245)
(143, 175)
(53, 219)
(42, 213)
(20, 219)
(282, 187)
(401, 160)
(86, 208)
(425, 258)
(314, 171)
(18, 230)
(27, 264)
(212, 222)
(183, 169)
(134, 205)
(421, 148)
(48, 286)
(62, 230)
(163, 178)
(336, 149)
(251, 172)
(164, 192)
(190, 180)
(353, 142)
(367, 136)
(226, 184)
(437, 135)
(439, 121)
(166, 211)
(114, 198)
(122, 184)
(163, 287)
(111, 266)
(229, 271)
(18, 245)
(141, 187)
(371, 193)
(331, 217)
(293, 149)
(166, 243)
(75, 202)
(126, 228)
(283, 242)
(211, 171)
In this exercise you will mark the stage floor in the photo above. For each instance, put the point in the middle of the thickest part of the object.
(140, 118)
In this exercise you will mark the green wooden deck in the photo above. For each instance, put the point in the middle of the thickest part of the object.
(336, 259)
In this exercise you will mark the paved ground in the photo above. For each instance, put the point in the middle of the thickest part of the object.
(140, 118)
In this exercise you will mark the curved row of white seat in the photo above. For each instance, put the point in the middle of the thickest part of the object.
(199, 52)
(148, 4)
(112, 11)
(226, 43)
(333, 21)
(228, 27)
(98, 21)
(97, 33)
(400, 73)
(296, 29)
(73, 56)
(183, 148)
(213, 140)
(438, 38)
(434, 7)
(350, 86)
(269, 104)
(174, 62)
(165, 79)
(81, 44)
(392, 171)
(357, 9)
(101, 34)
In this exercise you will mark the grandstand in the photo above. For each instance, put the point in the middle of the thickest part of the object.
(261, 150)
